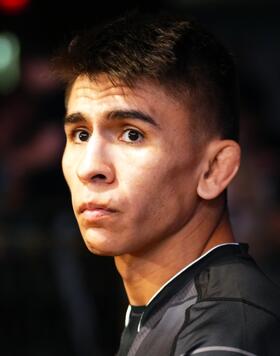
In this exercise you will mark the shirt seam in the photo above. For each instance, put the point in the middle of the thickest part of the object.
(239, 300)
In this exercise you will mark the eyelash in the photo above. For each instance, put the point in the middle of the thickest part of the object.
(135, 131)
(75, 132)
(74, 135)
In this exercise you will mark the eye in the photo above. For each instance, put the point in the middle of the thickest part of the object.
(80, 136)
(132, 135)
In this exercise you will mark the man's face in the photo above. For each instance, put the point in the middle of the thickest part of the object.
(131, 165)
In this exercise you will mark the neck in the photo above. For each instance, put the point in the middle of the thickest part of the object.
(144, 273)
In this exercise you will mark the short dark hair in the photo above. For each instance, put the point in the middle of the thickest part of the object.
(177, 53)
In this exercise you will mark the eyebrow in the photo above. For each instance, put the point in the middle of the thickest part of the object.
(113, 115)
(74, 118)
(132, 114)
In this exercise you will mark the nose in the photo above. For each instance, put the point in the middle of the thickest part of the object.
(95, 165)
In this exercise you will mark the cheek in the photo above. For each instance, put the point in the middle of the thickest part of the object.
(68, 168)
(160, 187)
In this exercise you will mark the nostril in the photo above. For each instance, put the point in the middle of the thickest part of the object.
(99, 177)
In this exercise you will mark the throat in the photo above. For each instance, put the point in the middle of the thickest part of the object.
(140, 278)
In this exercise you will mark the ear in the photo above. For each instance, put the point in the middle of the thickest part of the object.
(220, 165)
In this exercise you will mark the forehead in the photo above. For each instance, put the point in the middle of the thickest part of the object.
(100, 94)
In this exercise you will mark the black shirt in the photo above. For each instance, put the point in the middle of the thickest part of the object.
(220, 305)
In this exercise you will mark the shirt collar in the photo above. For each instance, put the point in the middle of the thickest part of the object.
(188, 266)
(175, 276)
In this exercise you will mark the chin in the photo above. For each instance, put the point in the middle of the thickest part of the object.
(101, 245)
(99, 251)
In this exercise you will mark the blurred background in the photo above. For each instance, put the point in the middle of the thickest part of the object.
(55, 297)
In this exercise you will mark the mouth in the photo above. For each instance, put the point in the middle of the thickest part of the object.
(92, 211)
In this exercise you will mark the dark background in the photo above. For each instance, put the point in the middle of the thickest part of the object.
(55, 297)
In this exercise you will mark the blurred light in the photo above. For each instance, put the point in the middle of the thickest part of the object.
(9, 61)
(5, 52)
(13, 6)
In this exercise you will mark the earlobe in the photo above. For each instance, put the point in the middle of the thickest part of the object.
(222, 160)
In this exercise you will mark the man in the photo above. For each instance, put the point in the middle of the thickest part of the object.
(152, 127)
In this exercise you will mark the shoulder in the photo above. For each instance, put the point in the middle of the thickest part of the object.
(237, 308)
(238, 279)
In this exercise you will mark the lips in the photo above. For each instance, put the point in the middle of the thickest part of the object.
(94, 211)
